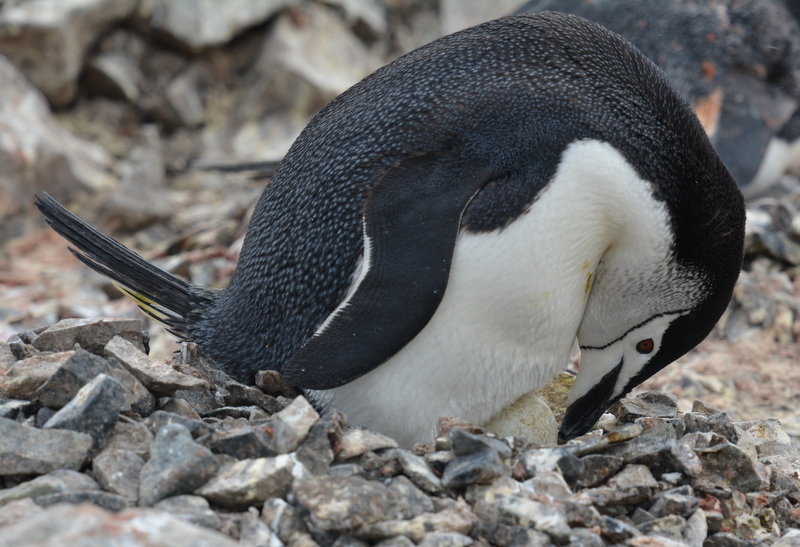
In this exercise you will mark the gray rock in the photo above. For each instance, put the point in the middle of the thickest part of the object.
(177, 465)
(673, 454)
(106, 500)
(550, 483)
(16, 511)
(341, 504)
(242, 395)
(478, 467)
(29, 451)
(243, 443)
(49, 41)
(457, 519)
(252, 531)
(113, 74)
(696, 529)
(194, 25)
(91, 334)
(581, 514)
(79, 370)
(283, 519)
(597, 468)
(159, 378)
(520, 511)
(132, 437)
(618, 531)
(93, 410)
(728, 462)
(463, 442)
(420, 473)
(648, 404)
(15, 409)
(316, 453)
(25, 376)
(670, 526)
(58, 481)
(66, 524)
(358, 441)
(160, 418)
(178, 406)
(292, 424)
(504, 535)
(118, 471)
(408, 501)
(678, 501)
(724, 539)
(192, 509)
(251, 482)
(585, 538)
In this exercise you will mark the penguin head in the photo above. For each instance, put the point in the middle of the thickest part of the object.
(659, 289)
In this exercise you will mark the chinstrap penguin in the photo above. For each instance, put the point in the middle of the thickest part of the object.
(439, 235)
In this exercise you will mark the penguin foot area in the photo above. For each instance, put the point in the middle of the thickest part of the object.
(108, 443)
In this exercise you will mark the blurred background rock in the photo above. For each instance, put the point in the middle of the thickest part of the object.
(131, 112)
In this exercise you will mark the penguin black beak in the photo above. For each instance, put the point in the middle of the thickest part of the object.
(584, 412)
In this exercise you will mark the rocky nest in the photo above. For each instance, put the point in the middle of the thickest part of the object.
(101, 444)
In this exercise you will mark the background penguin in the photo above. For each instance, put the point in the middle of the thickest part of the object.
(737, 63)
(440, 233)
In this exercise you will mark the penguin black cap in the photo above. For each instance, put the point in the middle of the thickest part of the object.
(440, 234)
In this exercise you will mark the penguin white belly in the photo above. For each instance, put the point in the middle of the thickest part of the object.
(505, 326)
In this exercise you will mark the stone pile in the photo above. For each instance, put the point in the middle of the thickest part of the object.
(99, 441)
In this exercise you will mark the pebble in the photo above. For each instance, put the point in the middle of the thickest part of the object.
(30, 451)
(292, 424)
(93, 410)
(177, 465)
(56, 482)
(161, 379)
(252, 481)
(90, 334)
(358, 441)
(192, 509)
(118, 471)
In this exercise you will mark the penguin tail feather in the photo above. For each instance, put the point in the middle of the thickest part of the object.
(164, 297)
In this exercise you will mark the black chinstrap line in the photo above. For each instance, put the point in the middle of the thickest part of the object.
(683, 311)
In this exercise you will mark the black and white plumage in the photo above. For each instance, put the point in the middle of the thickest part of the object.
(439, 234)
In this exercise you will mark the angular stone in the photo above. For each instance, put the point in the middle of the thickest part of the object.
(458, 519)
(86, 524)
(118, 471)
(597, 469)
(341, 504)
(131, 436)
(16, 511)
(408, 501)
(159, 419)
(272, 383)
(670, 526)
(15, 409)
(113, 74)
(79, 370)
(728, 461)
(283, 519)
(420, 473)
(194, 25)
(58, 481)
(178, 406)
(521, 511)
(504, 535)
(581, 514)
(106, 500)
(550, 483)
(91, 334)
(292, 424)
(93, 410)
(159, 378)
(696, 529)
(669, 452)
(192, 509)
(26, 376)
(315, 452)
(678, 501)
(235, 412)
(29, 451)
(177, 465)
(242, 443)
(478, 467)
(242, 395)
(647, 404)
(445, 539)
(358, 441)
(251, 482)
(463, 442)
(618, 531)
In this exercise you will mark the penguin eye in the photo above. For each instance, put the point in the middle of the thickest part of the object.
(645, 346)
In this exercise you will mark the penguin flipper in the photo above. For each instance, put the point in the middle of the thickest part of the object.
(411, 222)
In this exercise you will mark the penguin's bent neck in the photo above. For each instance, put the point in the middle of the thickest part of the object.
(514, 301)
